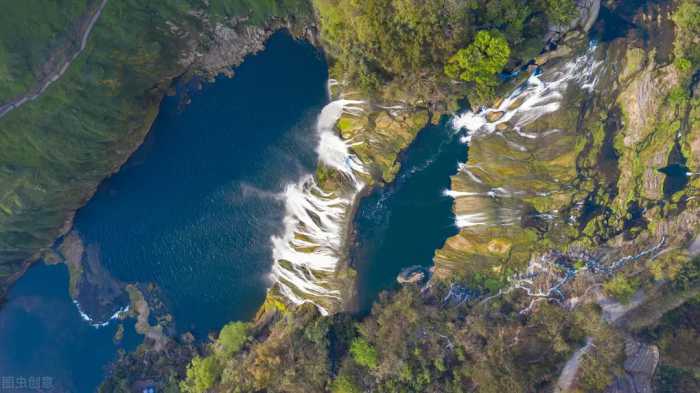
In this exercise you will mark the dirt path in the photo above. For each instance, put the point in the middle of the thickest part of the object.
(568, 374)
(43, 84)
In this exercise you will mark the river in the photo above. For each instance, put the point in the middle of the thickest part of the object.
(192, 211)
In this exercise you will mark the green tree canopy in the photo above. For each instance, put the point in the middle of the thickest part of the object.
(364, 353)
(480, 62)
(232, 337)
(202, 373)
(559, 12)
(687, 19)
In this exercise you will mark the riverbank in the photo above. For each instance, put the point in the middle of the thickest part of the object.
(48, 183)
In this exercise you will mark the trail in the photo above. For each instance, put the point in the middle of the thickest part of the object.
(57, 73)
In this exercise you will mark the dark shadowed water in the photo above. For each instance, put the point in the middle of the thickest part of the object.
(44, 340)
(193, 210)
(402, 224)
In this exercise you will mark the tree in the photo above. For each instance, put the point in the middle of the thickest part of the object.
(687, 19)
(559, 12)
(364, 353)
(202, 373)
(343, 384)
(232, 337)
(621, 288)
(480, 62)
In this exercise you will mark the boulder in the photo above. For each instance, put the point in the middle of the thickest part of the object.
(640, 364)
(413, 275)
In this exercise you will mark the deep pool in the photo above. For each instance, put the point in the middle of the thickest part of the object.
(194, 208)
(402, 224)
(192, 211)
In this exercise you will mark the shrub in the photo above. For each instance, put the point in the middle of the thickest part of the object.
(343, 384)
(560, 12)
(202, 373)
(621, 288)
(480, 62)
(364, 353)
(233, 337)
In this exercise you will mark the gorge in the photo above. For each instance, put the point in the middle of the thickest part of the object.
(423, 199)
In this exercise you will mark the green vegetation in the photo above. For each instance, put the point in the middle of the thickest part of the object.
(257, 12)
(480, 62)
(233, 337)
(343, 384)
(687, 19)
(377, 41)
(412, 342)
(363, 353)
(29, 32)
(55, 150)
(677, 336)
(621, 288)
(560, 12)
(202, 373)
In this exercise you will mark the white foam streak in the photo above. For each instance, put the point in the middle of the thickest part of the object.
(314, 225)
(500, 218)
(539, 95)
(85, 317)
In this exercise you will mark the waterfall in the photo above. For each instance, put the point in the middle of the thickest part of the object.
(534, 98)
(541, 94)
(307, 253)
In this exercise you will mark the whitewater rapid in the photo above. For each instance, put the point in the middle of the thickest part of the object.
(541, 94)
(307, 253)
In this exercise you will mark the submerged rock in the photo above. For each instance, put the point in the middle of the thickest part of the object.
(414, 275)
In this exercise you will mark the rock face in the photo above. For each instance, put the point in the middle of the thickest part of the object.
(640, 364)
(99, 294)
(413, 275)
(588, 13)
(561, 164)
(589, 10)
(121, 77)
(522, 170)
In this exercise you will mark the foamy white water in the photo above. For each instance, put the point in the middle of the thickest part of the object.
(85, 317)
(539, 95)
(311, 245)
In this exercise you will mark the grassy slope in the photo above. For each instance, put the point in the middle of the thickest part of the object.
(55, 150)
(29, 30)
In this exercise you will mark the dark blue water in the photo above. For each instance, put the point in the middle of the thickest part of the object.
(193, 210)
(402, 224)
(43, 336)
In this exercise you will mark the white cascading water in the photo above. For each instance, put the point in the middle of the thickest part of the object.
(533, 98)
(539, 95)
(312, 242)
